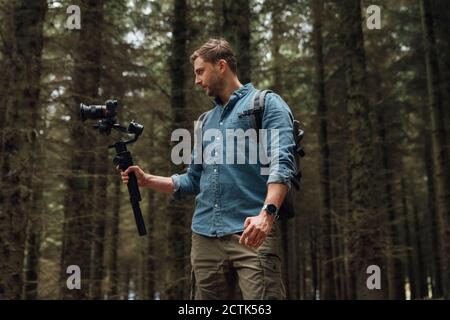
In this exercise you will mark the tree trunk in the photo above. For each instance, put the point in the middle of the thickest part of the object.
(113, 291)
(440, 151)
(126, 288)
(314, 263)
(277, 34)
(407, 229)
(218, 18)
(151, 248)
(34, 227)
(289, 255)
(177, 216)
(117, 90)
(336, 254)
(6, 70)
(286, 256)
(19, 143)
(396, 277)
(102, 200)
(298, 267)
(432, 218)
(35, 223)
(236, 30)
(99, 217)
(349, 275)
(32, 260)
(150, 255)
(367, 224)
(302, 269)
(328, 290)
(420, 271)
(79, 200)
(441, 16)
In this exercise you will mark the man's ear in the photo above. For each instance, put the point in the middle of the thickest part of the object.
(222, 64)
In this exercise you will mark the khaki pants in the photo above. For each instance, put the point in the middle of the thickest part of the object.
(222, 266)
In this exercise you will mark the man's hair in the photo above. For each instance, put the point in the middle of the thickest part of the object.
(215, 49)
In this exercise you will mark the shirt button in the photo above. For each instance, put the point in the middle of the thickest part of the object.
(216, 205)
(221, 123)
(215, 170)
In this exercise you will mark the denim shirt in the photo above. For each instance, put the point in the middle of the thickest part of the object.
(227, 193)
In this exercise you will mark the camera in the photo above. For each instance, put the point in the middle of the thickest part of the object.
(107, 114)
(107, 111)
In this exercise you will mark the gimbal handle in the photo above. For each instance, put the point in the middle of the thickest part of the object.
(124, 160)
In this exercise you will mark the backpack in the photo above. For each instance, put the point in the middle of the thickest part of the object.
(256, 112)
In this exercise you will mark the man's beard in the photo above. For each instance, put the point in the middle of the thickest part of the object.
(215, 87)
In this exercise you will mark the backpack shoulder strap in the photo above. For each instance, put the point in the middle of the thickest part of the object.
(257, 106)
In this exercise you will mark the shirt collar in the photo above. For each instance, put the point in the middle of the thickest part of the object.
(236, 95)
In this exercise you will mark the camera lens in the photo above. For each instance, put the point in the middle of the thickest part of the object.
(92, 112)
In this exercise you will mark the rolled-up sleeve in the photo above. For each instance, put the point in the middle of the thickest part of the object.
(187, 183)
(277, 115)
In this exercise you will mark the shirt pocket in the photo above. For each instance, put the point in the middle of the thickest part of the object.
(235, 122)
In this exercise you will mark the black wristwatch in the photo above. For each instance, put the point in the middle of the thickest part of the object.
(272, 210)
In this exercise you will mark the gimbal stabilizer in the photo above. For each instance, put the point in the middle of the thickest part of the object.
(123, 159)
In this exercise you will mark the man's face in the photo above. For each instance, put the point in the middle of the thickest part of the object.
(209, 76)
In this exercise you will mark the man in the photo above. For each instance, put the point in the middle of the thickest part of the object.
(234, 238)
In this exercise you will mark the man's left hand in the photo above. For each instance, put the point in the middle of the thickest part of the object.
(256, 229)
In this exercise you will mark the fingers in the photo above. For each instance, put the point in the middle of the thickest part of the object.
(245, 234)
(247, 222)
(130, 169)
(252, 237)
(125, 177)
(124, 174)
(262, 236)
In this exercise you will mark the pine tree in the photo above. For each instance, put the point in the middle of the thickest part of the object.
(367, 240)
(177, 216)
(236, 30)
(79, 204)
(328, 285)
(19, 141)
(439, 139)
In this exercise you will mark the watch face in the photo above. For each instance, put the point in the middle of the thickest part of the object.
(271, 208)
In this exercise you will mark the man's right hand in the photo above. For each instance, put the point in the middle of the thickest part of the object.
(141, 177)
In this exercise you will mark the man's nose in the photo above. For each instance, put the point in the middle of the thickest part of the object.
(198, 81)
